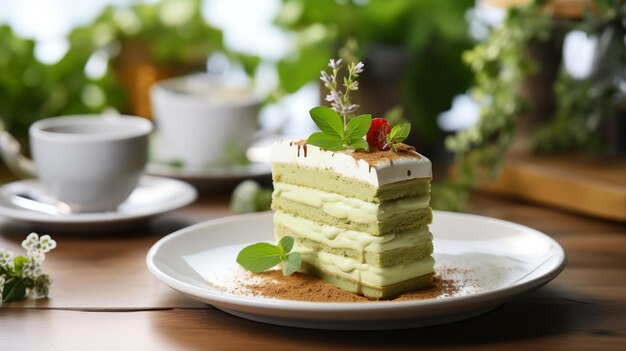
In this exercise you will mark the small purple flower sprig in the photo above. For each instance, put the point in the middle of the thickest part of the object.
(339, 100)
(339, 130)
(23, 276)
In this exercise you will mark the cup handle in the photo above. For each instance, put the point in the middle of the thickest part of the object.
(12, 155)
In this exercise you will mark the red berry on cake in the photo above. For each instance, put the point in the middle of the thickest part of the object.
(377, 134)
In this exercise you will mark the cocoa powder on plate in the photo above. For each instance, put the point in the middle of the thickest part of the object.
(302, 287)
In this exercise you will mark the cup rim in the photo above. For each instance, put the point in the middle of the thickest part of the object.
(140, 127)
(163, 88)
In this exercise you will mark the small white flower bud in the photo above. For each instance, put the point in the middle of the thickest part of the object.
(358, 68)
(334, 64)
(6, 259)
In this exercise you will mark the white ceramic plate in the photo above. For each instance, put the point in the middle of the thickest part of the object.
(153, 196)
(506, 260)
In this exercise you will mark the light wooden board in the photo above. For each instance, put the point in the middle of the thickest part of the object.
(591, 186)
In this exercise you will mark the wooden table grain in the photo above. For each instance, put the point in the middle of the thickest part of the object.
(104, 298)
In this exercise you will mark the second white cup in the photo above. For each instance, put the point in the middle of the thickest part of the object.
(204, 122)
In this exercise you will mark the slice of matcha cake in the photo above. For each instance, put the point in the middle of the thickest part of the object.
(359, 218)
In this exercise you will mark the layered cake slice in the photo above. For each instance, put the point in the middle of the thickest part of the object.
(359, 218)
(351, 201)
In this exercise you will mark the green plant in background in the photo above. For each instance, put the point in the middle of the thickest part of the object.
(31, 90)
(169, 33)
(502, 65)
(150, 41)
(250, 196)
(584, 105)
(427, 37)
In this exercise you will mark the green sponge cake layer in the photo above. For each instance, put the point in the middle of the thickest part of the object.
(353, 214)
(334, 182)
(372, 292)
(360, 276)
(381, 251)
(398, 222)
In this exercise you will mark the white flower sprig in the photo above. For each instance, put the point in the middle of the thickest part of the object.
(23, 276)
(340, 100)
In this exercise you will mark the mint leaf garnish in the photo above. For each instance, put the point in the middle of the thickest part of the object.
(292, 263)
(360, 144)
(286, 243)
(327, 120)
(398, 134)
(326, 141)
(357, 128)
(260, 257)
(334, 136)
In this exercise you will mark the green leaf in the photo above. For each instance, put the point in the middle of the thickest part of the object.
(358, 127)
(14, 289)
(18, 264)
(260, 257)
(328, 120)
(326, 141)
(399, 133)
(292, 263)
(360, 144)
(286, 243)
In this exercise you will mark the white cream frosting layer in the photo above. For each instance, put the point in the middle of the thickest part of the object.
(363, 273)
(334, 237)
(343, 207)
(384, 172)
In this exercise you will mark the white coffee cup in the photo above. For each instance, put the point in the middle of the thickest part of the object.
(91, 163)
(204, 121)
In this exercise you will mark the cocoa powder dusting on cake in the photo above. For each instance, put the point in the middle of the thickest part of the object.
(371, 157)
(303, 287)
(376, 156)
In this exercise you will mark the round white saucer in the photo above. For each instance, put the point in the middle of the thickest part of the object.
(153, 196)
(217, 178)
(217, 173)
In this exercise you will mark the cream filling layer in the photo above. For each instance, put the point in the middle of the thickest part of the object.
(342, 162)
(350, 208)
(334, 237)
(363, 273)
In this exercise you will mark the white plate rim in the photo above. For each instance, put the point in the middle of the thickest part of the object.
(186, 196)
(228, 301)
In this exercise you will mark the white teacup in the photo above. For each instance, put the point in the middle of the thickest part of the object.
(203, 121)
(91, 163)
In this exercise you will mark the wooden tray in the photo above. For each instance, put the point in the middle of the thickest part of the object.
(592, 186)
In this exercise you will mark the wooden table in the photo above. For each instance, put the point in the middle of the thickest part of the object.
(104, 298)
